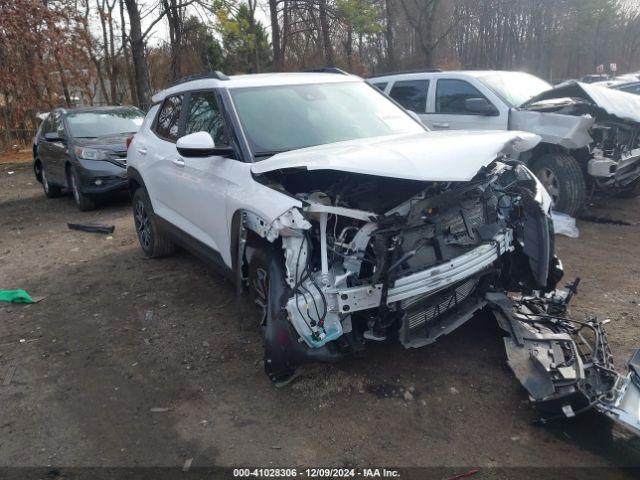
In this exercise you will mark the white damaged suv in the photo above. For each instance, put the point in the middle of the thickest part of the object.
(346, 220)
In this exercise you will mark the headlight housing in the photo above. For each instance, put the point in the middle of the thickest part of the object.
(91, 153)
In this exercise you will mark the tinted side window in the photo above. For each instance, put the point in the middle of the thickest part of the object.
(411, 94)
(451, 94)
(380, 86)
(56, 125)
(46, 125)
(204, 115)
(167, 125)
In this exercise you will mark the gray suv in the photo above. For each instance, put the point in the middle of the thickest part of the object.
(84, 150)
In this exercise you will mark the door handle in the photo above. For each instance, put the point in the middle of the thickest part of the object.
(440, 125)
(142, 151)
(178, 162)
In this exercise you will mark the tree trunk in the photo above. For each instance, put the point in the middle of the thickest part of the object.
(326, 38)
(141, 71)
(391, 57)
(127, 57)
(63, 80)
(278, 61)
(349, 47)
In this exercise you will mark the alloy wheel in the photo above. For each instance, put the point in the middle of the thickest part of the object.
(550, 181)
(45, 182)
(74, 188)
(142, 224)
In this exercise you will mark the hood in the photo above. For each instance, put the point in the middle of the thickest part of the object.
(429, 156)
(625, 106)
(114, 143)
(567, 131)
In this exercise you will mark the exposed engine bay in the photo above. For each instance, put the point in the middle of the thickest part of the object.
(610, 152)
(370, 258)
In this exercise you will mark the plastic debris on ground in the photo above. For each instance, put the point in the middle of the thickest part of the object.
(92, 228)
(564, 224)
(15, 296)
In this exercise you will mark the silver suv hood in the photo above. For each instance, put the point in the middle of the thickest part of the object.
(428, 156)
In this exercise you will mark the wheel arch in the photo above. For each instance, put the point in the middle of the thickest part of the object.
(135, 181)
(241, 235)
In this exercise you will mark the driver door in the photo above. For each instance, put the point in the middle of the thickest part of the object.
(203, 182)
(53, 153)
(447, 110)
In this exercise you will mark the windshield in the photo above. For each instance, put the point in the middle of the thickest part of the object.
(515, 88)
(287, 117)
(105, 122)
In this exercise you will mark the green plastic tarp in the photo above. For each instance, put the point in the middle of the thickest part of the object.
(15, 296)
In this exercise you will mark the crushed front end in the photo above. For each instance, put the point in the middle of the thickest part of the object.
(610, 153)
(371, 258)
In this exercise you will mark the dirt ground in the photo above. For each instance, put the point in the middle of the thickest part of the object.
(135, 362)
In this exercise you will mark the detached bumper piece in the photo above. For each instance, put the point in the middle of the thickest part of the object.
(564, 364)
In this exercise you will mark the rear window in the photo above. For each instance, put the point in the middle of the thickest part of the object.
(411, 94)
(101, 123)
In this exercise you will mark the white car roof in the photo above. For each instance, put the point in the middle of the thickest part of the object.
(256, 80)
(418, 75)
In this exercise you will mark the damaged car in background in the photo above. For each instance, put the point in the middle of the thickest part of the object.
(590, 134)
(349, 223)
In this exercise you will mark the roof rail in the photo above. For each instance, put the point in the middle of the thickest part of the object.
(327, 70)
(216, 74)
(421, 70)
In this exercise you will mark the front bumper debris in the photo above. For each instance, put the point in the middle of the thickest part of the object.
(565, 364)
(615, 174)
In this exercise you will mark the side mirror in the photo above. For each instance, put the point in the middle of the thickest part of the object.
(53, 137)
(414, 115)
(480, 106)
(200, 144)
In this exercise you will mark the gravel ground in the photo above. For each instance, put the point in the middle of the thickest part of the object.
(135, 362)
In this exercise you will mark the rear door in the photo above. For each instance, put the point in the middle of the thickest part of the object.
(447, 110)
(411, 94)
(156, 151)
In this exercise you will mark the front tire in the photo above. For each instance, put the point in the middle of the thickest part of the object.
(562, 176)
(153, 243)
(269, 291)
(83, 201)
(50, 191)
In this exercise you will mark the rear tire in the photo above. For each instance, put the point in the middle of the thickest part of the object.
(562, 176)
(153, 243)
(83, 201)
(51, 191)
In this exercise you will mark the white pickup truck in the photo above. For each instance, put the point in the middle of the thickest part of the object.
(590, 134)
